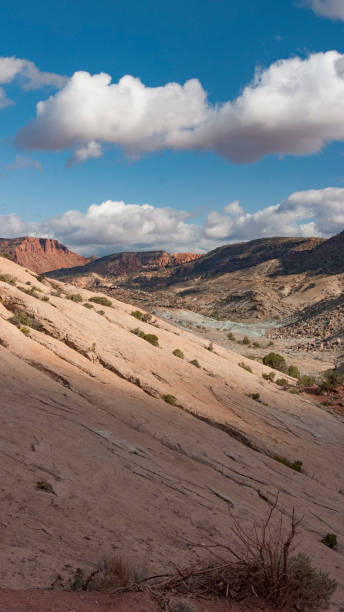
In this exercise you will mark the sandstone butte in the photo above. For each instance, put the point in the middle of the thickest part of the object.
(82, 409)
(40, 254)
(45, 254)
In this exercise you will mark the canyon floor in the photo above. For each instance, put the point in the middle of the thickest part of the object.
(113, 446)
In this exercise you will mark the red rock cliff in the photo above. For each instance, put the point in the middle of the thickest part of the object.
(40, 254)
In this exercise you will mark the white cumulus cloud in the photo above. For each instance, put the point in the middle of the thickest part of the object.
(117, 226)
(295, 106)
(28, 75)
(334, 9)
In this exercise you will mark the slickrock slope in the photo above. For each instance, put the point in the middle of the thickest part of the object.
(81, 409)
(40, 254)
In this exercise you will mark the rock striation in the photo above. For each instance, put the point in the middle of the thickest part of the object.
(40, 254)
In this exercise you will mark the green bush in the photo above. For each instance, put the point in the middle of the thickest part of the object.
(151, 338)
(170, 399)
(331, 381)
(210, 347)
(101, 312)
(282, 382)
(141, 316)
(195, 363)
(7, 278)
(98, 299)
(45, 298)
(330, 540)
(246, 340)
(256, 344)
(275, 361)
(306, 381)
(295, 465)
(231, 336)
(88, 305)
(178, 353)
(294, 372)
(254, 396)
(25, 331)
(75, 297)
(6, 255)
(22, 318)
(245, 366)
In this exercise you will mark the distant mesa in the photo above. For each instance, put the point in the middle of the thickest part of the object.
(40, 254)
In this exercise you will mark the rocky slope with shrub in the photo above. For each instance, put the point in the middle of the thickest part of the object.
(146, 445)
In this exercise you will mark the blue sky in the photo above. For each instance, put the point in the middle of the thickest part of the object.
(187, 179)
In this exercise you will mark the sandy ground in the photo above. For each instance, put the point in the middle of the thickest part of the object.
(82, 409)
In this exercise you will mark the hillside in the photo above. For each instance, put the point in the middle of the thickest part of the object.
(83, 411)
(40, 254)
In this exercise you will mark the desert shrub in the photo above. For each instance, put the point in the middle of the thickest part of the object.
(22, 318)
(170, 399)
(101, 312)
(151, 338)
(245, 366)
(282, 382)
(210, 347)
(45, 486)
(195, 363)
(7, 278)
(256, 344)
(178, 353)
(98, 299)
(264, 565)
(231, 336)
(28, 283)
(88, 305)
(269, 376)
(254, 396)
(331, 381)
(6, 255)
(306, 381)
(110, 575)
(295, 465)
(25, 331)
(246, 340)
(330, 540)
(141, 316)
(294, 372)
(45, 298)
(75, 297)
(275, 361)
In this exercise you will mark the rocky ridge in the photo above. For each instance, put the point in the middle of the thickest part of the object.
(40, 254)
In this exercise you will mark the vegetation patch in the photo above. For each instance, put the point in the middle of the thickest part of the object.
(275, 361)
(169, 399)
(151, 338)
(141, 316)
(75, 297)
(195, 363)
(8, 278)
(21, 318)
(88, 305)
(269, 376)
(246, 340)
(294, 372)
(178, 353)
(294, 465)
(45, 486)
(244, 366)
(330, 540)
(98, 299)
